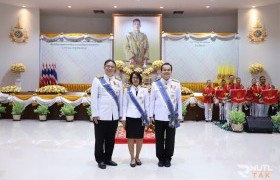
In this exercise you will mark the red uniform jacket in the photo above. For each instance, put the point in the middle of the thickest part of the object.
(208, 93)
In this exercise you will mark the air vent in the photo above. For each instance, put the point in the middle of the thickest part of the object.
(178, 12)
(98, 11)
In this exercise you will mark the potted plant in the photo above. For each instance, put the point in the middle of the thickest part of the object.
(43, 111)
(184, 111)
(2, 109)
(68, 111)
(237, 119)
(17, 110)
(89, 113)
(276, 120)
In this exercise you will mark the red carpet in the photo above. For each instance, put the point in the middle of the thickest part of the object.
(149, 136)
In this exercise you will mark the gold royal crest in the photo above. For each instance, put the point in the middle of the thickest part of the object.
(258, 34)
(18, 34)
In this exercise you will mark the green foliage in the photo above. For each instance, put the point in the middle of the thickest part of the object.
(237, 117)
(67, 110)
(18, 108)
(184, 110)
(89, 111)
(42, 110)
(276, 118)
(2, 109)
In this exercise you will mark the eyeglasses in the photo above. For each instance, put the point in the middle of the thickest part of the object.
(107, 66)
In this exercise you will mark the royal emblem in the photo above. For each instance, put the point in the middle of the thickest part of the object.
(18, 34)
(258, 33)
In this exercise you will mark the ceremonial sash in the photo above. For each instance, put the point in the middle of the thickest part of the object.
(238, 95)
(144, 116)
(110, 90)
(270, 96)
(173, 116)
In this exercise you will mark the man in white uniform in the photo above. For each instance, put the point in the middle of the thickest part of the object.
(106, 108)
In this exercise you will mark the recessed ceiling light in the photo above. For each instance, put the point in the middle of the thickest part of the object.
(115, 6)
(69, 6)
(207, 7)
(161, 7)
(253, 6)
(23, 6)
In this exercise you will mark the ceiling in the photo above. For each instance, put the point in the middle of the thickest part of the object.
(190, 7)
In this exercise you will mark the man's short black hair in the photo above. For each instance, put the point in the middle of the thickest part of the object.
(109, 60)
(164, 64)
(136, 20)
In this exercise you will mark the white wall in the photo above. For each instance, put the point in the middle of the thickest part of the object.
(69, 24)
(268, 52)
(10, 52)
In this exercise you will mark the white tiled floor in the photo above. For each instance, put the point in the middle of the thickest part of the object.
(57, 150)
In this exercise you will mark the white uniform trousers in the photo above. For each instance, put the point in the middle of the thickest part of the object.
(254, 110)
(221, 111)
(237, 106)
(208, 109)
(228, 108)
(262, 110)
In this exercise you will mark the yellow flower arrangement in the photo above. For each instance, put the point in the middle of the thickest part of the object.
(139, 70)
(17, 68)
(52, 89)
(185, 90)
(157, 64)
(131, 66)
(127, 71)
(148, 71)
(10, 89)
(256, 68)
(119, 64)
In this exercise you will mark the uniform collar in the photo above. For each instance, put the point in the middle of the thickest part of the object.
(164, 81)
(107, 78)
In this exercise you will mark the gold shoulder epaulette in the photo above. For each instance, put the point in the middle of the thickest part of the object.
(175, 80)
(98, 77)
(118, 78)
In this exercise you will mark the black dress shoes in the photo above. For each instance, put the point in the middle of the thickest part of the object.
(111, 163)
(102, 165)
(133, 163)
(160, 164)
(167, 163)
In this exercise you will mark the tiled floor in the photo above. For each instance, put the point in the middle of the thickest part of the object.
(57, 150)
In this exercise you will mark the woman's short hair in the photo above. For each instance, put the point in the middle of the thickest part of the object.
(137, 74)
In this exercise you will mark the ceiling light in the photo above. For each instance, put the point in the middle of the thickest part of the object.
(23, 6)
(115, 6)
(253, 6)
(207, 7)
(161, 7)
(69, 6)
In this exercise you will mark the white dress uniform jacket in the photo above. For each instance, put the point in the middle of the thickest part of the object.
(158, 106)
(103, 104)
(129, 109)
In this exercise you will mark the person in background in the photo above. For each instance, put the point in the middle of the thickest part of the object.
(208, 93)
(166, 112)
(106, 108)
(135, 111)
(253, 105)
(238, 85)
(228, 104)
(221, 102)
(262, 108)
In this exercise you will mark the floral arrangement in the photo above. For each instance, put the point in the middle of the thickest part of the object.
(157, 64)
(119, 64)
(17, 68)
(185, 90)
(52, 89)
(131, 66)
(148, 71)
(127, 71)
(139, 70)
(10, 89)
(2, 109)
(256, 68)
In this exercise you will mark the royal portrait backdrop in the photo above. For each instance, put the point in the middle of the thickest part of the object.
(150, 25)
